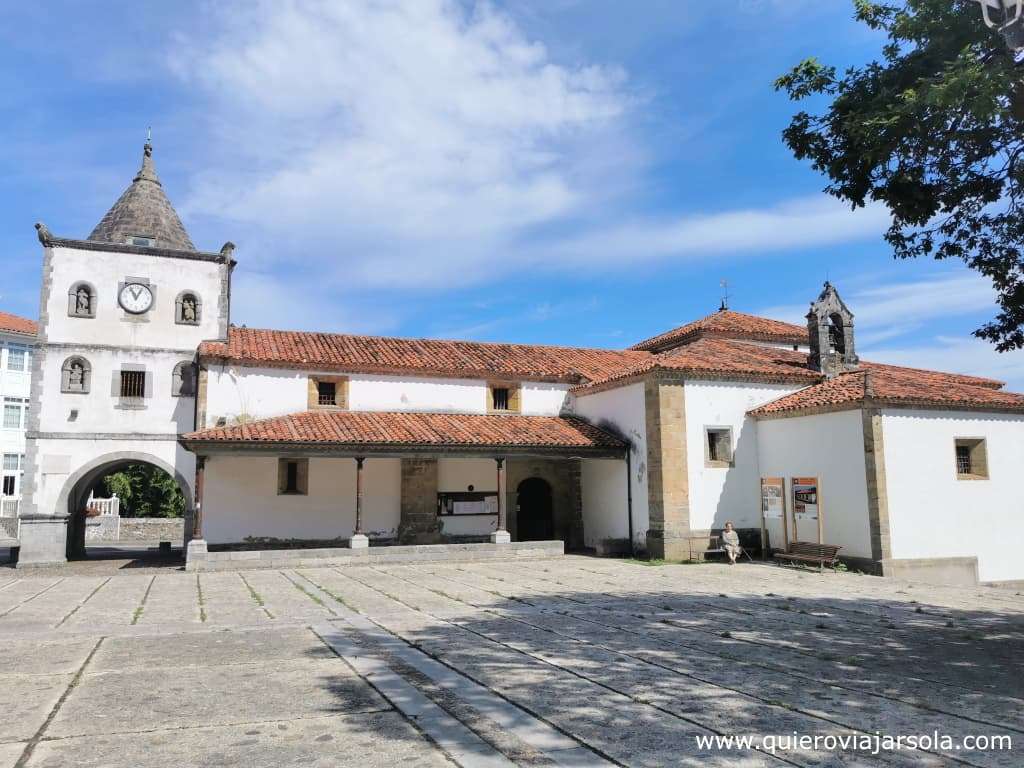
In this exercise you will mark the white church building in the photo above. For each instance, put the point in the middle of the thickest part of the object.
(282, 438)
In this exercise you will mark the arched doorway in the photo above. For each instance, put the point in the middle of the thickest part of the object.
(89, 480)
(534, 517)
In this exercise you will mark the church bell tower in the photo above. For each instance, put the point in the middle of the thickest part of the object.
(830, 327)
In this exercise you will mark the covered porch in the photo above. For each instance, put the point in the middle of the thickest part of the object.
(316, 481)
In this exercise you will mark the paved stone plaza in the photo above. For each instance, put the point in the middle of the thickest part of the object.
(568, 661)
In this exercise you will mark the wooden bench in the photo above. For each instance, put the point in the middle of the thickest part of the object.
(809, 552)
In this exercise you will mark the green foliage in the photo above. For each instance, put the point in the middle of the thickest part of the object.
(935, 131)
(145, 491)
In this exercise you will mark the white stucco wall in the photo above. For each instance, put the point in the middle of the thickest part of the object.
(264, 392)
(605, 503)
(732, 493)
(622, 411)
(932, 514)
(98, 411)
(105, 270)
(829, 446)
(241, 500)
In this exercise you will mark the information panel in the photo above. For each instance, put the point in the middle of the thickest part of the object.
(805, 498)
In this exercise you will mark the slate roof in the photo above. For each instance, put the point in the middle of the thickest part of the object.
(894, 386)
(378, 354)
(143, 209)
(727, 324)
(14, 324)
(411, 430)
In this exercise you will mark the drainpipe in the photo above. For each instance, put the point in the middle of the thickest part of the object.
(629, 500)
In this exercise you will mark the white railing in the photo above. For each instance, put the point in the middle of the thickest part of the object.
(9, 506)
(107, 507)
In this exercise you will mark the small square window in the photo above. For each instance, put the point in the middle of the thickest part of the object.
(292, 477)
(971, 458)
(503, 398)
(328, 392)
(718, 446)
(142, 240)
(133, 384)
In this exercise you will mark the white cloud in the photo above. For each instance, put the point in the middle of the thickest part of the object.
(797, 223)
(384, 127)
(423, 145)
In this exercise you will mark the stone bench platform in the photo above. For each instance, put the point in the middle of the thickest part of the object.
(243, 560)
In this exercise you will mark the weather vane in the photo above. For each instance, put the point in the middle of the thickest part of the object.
(725, 294)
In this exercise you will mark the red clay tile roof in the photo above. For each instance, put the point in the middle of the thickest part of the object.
(727, 324)
(14, 324)
(377, 354)
(718, 358)
(431, 430)
(893, 386)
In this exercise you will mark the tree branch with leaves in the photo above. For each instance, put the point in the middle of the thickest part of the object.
(934, 130)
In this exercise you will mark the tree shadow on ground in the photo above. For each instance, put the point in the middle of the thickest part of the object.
(637, 672)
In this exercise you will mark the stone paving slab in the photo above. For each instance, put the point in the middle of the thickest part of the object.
(28, 701)
(147, 699)
(373, 740)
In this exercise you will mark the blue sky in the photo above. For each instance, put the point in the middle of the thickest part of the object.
(555, 171)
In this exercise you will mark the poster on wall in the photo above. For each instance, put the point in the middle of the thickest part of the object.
(805, 498)
(772, 497)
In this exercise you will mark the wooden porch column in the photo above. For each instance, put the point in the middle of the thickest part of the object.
(501, 536)
(359, 540)
(197, 515)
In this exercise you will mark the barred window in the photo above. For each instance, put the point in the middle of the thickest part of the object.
(503, 398)
(971, 458)
(326, 393)
(133, 383)
(499, 398)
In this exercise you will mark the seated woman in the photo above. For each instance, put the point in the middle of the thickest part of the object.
(731, 542)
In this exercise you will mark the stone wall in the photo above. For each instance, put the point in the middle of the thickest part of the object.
(148, 529)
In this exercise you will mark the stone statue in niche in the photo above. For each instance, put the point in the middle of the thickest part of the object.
(188, 310)
(76, 377)
(83, 301)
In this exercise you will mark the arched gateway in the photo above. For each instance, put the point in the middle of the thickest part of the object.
(76, 489)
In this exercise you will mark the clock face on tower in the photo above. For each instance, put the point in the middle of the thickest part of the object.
(135, 298)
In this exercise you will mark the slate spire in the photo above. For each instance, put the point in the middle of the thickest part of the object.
(143, 211)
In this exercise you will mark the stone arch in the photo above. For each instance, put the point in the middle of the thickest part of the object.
(76, 489)
(76, 375)
(85, 305)
(181, 308)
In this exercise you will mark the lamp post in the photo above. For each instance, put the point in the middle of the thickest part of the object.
(1007, 18)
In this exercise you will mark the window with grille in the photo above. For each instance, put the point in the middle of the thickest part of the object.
(971, 458)
(718, 446)
(326, 393)
(15, 412)
(499, 398)
(133, 384)
(502, 398)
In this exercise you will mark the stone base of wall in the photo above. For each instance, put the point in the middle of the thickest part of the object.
(241, 560)
(959, 571)
(131, 529)
(44, 540)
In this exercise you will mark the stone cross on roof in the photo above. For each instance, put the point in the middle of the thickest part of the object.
(143, 212)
